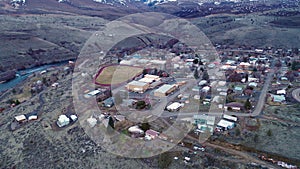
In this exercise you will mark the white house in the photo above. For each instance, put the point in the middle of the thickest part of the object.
(20, 118)
(226, 125)
(281, 92)
(62, 121)
(175, 106)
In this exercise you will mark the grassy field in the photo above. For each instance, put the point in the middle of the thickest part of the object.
(116, 74)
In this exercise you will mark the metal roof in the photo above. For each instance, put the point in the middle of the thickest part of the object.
(137, 83)
(164, 89)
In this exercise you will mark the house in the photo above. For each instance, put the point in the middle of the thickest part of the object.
(204, 119)
(204, 123)
(175, 106)
(238, 89)
(32, 117)
(252, 79)
(234, 106)
(281, 92)
(200, 119)
(151, 134)
(109, 102)
(202, 82)
(62, 121)
(225, 125)
(92, 93)
(253, 84)
(135, 129)
(278, 98)
(244, 64)
(21, 118)
(55, 85)
(230, 118)
(205, 89)
(164, 90)
(137, 86)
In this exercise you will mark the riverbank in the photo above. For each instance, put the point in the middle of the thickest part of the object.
(21, 75)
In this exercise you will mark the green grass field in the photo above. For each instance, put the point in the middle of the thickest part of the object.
(116, 74)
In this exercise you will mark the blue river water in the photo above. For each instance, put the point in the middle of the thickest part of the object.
(24, 74)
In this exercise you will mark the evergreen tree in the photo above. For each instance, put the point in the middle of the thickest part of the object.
(111, 122)
(247, 105)
(205, 76)
(196, 74)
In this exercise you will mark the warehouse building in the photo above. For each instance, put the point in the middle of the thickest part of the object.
(164, 90)
(137, 86)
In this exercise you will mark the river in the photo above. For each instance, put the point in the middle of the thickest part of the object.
(24, 74)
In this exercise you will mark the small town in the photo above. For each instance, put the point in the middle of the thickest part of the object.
(185, 90)
(152, 101)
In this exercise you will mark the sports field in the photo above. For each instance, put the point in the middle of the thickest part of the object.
(116, 74)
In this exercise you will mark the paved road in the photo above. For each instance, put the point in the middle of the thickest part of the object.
(263, 95)
(296, 94)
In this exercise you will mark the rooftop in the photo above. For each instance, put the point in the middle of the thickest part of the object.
(137, 83)
(165, 88)
(225, 123)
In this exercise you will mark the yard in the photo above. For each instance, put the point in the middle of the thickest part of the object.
(116, 74)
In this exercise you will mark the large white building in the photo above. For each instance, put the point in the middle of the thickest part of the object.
(164, 90)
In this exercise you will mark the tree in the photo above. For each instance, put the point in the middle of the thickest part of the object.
(200, 62)
(145, 126)
(111, 122)
(237, 132)
(44, 80)
(269, 133)
(140, 104)
(255, 138)
(155, 71)
(295, 65)
(247, 105)
(205, 76)
(195, 61)
(17, 102)
(145, 71)
(196, 74)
